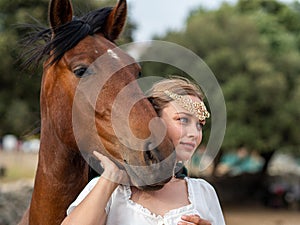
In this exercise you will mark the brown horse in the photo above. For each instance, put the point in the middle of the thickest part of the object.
(73, 48)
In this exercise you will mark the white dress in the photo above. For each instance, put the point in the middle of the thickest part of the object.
(122, 210)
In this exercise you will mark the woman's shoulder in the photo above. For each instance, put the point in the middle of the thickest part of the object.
(199, 184)
(205, 199)
(202, 191)
(197, 181)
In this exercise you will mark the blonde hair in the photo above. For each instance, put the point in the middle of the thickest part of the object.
(175, 84)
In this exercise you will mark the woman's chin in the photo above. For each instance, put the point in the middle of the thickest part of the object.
(183, 158)
(184, 155)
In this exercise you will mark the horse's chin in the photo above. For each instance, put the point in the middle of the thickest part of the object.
(136, 179)
(152, 177)
(150, 188)
(154, 187)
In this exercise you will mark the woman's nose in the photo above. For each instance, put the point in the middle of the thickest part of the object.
(193, 131)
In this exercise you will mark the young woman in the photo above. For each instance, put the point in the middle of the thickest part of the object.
(181, 201)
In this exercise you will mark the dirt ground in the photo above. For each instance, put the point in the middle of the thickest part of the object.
(259, 215)
(20, 169)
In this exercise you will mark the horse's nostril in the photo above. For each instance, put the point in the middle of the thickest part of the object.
(151, 156)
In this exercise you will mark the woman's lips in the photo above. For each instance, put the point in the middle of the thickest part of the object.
(189, 145)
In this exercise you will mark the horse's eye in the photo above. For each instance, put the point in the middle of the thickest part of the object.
(81, 71)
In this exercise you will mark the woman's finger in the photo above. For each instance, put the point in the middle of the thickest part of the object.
(98, 155)
(111, 171)
(194, 219)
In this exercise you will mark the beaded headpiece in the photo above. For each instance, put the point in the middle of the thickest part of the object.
(197, 108)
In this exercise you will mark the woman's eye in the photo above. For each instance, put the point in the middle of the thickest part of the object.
(183, 120)
(81, 71)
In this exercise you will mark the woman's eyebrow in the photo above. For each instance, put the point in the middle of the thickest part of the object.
(188, 114)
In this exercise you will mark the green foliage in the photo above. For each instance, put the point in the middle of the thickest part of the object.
(19, 89)
(253, 50)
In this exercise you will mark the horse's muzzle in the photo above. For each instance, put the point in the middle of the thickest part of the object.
(155, 174)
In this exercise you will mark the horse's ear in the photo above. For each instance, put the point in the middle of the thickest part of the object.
(116, 20)
(60, 12)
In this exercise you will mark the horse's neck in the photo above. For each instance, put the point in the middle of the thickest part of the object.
(60, 162)
(61, 175)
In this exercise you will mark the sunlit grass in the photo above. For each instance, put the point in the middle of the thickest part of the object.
(18, 166)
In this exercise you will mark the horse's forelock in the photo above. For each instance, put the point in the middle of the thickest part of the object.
(65, 37)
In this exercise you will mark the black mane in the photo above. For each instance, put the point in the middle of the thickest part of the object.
(40, 42)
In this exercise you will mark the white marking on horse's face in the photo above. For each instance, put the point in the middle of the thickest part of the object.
(112, 54)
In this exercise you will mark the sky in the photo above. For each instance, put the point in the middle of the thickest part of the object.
(157, 16)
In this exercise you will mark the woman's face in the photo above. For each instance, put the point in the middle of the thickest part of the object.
(183, 128)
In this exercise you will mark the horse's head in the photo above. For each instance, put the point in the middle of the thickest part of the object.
(90, 98)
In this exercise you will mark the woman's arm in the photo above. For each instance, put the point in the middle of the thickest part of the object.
(92, 208)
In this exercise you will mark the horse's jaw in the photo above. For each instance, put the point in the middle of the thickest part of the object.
(151, 177)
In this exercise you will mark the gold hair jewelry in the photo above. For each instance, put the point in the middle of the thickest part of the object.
(197, 108)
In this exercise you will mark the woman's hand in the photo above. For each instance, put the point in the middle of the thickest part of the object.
(111, 171)
(193, 219)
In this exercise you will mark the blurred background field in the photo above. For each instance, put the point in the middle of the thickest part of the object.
(17, 166)
(16, 182)
(258, 215)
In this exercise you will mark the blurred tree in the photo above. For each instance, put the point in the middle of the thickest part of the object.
(253, 50)
(19, 89)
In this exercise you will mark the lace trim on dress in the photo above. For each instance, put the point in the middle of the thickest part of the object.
(172, 212)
